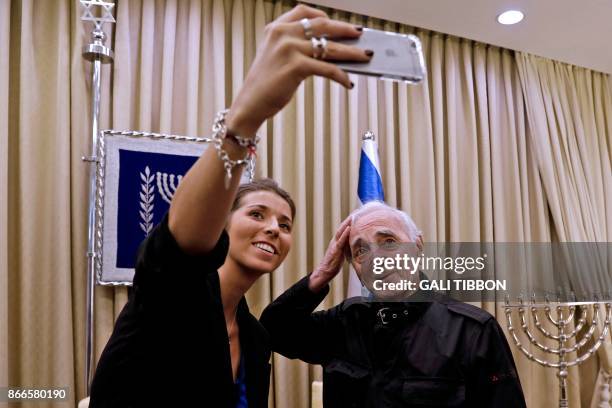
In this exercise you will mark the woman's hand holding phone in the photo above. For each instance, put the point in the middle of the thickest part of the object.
(285, 59)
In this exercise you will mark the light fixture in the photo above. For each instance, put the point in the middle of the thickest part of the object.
(510, 17)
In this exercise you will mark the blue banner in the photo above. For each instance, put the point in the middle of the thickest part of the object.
(147, 182)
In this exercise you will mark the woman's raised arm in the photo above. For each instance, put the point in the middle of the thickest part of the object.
(285, 58)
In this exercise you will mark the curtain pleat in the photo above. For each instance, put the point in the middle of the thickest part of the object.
(170, 32)
(5, 38)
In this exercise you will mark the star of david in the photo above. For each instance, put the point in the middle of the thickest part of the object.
(89, 9)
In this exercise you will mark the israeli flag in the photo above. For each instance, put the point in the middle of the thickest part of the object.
(370, 185)
(369, 188)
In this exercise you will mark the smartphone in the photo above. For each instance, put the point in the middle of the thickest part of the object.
(398, 57)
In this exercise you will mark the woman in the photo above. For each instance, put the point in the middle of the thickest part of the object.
(194, 343)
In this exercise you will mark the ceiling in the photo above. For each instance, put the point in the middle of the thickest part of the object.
(576, 32)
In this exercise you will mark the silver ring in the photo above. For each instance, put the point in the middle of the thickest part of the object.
(319, 47)
(307, 28)
(324, 47)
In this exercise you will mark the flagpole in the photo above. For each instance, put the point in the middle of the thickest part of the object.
(98, 54)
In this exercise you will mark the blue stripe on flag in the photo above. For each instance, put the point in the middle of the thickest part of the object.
(370, 184)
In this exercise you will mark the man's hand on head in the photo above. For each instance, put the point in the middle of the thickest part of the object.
(333, 260)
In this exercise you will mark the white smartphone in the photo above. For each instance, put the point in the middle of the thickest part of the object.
(397, 57)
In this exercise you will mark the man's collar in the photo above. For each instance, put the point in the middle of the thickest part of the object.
(386, 311)
(415, 305)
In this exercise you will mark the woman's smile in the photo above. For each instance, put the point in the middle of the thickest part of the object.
(266, 248)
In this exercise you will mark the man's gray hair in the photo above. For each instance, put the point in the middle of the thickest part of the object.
(409, 226)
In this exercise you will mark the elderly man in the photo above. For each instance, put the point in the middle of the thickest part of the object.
(435, 352)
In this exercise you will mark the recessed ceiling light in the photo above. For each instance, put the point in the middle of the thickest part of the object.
(510, 17)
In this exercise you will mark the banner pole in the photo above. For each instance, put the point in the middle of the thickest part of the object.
(98, 54)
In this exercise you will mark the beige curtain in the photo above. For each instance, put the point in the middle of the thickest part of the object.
(456, 153)
(43, 94)
(569, 111)
(5, 23)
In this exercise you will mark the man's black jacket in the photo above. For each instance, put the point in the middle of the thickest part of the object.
(438, 353)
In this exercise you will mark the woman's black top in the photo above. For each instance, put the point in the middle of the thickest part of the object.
(169, 346)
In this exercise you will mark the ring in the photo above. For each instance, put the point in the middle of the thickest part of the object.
(319, 47)
(324, 47)
(307, 28)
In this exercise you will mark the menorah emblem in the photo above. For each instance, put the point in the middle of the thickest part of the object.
(167, 185)
(565, 314)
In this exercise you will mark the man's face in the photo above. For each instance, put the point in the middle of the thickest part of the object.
(377, 234)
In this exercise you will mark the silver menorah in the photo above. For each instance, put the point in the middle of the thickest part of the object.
(564, 317)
